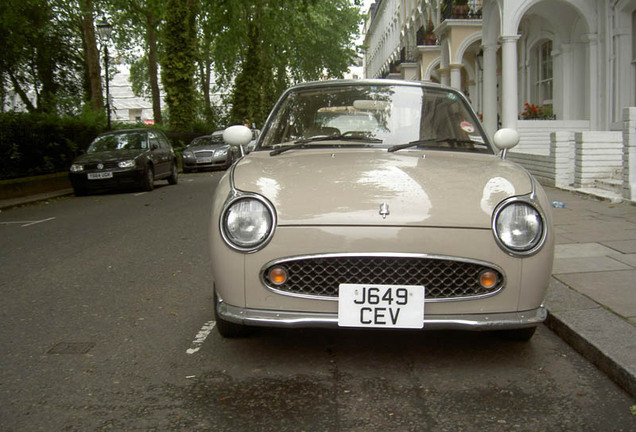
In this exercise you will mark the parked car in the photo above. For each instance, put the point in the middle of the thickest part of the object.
(252, 144)
(125, 158)
(379, 204)
(208, 151)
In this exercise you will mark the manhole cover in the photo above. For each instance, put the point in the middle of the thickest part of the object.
(71, 348)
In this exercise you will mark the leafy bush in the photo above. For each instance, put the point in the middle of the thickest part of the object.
(39, 143)
(36, 143)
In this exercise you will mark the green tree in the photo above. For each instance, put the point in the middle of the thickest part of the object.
(270, 44)
(39, 55)
(140, 21)
(178, 62)
(91, 54)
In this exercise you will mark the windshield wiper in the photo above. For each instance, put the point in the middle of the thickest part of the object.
(423, 142)
(338, 137)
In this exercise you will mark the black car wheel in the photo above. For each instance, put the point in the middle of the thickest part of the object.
(148, 182)
(228, 329)
(174, 175)
(79, 191)
(519, 335)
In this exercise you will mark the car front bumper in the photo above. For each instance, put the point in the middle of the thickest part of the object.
(476, 322)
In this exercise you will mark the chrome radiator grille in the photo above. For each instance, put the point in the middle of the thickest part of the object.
(442, 278)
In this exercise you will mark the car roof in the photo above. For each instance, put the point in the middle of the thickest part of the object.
(131, 130)
(375, 81)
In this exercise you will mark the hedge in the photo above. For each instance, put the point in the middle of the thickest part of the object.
(36, 143)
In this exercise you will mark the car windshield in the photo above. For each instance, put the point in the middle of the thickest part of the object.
(211, 140)
(119, 141)
(372, 115)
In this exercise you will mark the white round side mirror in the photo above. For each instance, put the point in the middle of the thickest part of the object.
(506, 139)
(237, 135)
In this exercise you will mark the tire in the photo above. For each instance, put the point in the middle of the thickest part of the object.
(518, 335)
(174, 175)
(148, 182)
(228, 329)
(79, 191)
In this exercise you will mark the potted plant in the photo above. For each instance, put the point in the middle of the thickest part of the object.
(460, 9)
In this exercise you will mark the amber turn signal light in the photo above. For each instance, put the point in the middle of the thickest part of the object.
(278, 275)
(488, 279)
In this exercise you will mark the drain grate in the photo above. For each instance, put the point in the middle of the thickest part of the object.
(71, 348)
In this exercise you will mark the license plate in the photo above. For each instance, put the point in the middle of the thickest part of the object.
(392, 306)
(100, 175)
(204, 160)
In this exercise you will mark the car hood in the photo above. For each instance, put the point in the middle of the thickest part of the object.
(107, 156)
(349, 187)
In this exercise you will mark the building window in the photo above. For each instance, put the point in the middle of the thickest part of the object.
(134, 114)
(544, 74)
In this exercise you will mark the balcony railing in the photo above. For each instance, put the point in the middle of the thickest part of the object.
(462, 9)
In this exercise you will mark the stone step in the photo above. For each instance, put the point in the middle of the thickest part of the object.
(609, 184)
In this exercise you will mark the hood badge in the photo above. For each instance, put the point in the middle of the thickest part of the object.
(100, 166)
(384, 210)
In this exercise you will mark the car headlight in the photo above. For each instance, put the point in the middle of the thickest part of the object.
(127, 164)
(247, 223)
(519, 227)
(77, 168)
(187, 154)
(221, 152)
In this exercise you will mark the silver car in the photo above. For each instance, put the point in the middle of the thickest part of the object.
(207, 152)
(379, 204)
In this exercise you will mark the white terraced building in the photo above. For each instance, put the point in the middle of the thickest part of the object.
(573, 60)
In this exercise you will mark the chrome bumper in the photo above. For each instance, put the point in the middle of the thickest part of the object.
(269, 318)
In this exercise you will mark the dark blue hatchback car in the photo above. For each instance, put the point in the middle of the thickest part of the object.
(125, 158)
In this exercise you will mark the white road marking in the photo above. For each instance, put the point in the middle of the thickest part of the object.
(201, 337)
(140, 193)
(37, 222)
(26, 223)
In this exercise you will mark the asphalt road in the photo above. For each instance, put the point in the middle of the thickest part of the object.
(107, 325)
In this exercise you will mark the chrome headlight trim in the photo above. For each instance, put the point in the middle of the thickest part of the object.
(539, 240)
(235, 199)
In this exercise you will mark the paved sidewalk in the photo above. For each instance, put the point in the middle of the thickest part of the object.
(14, 202)
(592, 297)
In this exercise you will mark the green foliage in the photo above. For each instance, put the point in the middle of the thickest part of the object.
(248, 50)
(41, 143)
(39, 53)
(179, 62)
(270, 44)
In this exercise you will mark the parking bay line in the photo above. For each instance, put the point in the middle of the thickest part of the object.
(27, 223)
(201, 337)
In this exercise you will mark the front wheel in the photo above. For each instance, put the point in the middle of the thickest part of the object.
(174, 175)
(228, 329)
(79, 191)
(519, 335)
(148, 182)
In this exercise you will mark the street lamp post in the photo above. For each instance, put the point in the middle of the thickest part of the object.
(104, 30)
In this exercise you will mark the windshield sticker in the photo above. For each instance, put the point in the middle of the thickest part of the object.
(467, 127)
(451, 96)
(476, 138)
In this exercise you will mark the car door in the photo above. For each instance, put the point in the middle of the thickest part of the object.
(160, 154)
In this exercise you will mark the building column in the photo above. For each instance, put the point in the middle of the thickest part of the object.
(456, 76)
(489, 88)
(629, 153)
(593, 98)
(509, 95)
(444, 76)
